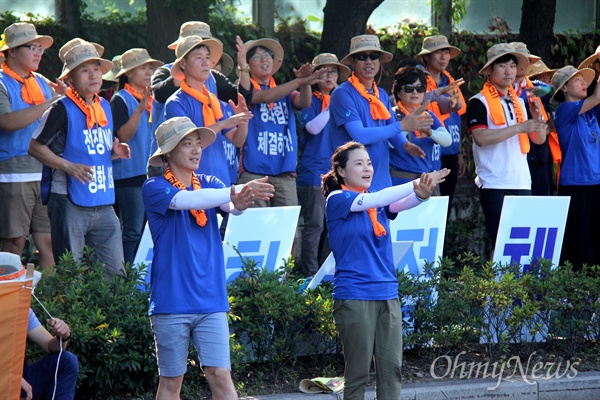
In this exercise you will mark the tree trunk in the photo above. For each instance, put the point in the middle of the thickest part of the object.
(537, 27)
(444, 20)
(263, 14)
(69, 14)
(343, 20)
(165, 19)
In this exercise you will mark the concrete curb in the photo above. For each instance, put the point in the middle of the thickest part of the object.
(585, 385)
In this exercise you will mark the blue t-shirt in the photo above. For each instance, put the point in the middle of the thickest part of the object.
(364, 263)
(316, 151)
(579, 137)
(347, 105)
(452, 124)
(32, 321)
(188, 271)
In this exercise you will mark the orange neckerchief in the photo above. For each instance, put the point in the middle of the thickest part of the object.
(199, 215)
(256, 86)
(211, 108)
(139, 97)
(325, 98)
(377, 227)
(378, 109)
(434, 107)
(497, 112)
(94, 113)
(405, 112)
(31, 92)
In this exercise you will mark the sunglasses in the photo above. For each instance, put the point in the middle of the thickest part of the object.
(363, 56)
(420, 88)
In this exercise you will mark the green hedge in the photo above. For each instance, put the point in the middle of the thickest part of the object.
(275, 328)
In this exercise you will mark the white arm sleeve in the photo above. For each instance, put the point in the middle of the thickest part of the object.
(317, 124)
(441, 136)
(404, 204)
(230, 208)
(200, 199)
(387, 196)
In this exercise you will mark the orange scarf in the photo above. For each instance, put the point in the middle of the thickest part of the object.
(94, 113)
(211, 108)
(257, 86)
(325, 99)
(434, 107)
(377, 227)
(31, 92)
(405, 112)
(497, 112)
(378, 109)
(139, 97)
(199, 215)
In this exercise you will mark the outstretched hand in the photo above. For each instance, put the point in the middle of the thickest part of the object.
(121, 150)
(418, 119)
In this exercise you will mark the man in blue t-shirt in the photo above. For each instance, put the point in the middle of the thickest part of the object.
(188, 294)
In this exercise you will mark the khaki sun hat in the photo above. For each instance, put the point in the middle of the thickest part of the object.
(80, 54)
(539, 68)
(502, 49)
(111, 76)
(435, 43)
(191, 28)
(325, 59)
(171, 132)
(21, 33)
(589, 62)
(361, 43)
(133, 58)
(190, 43)
(272, 45)
(563, 75)
(226, 64)
(521, 47)
(76, 42)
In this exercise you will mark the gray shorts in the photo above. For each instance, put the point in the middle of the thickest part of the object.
(21, 210)
(172, 334)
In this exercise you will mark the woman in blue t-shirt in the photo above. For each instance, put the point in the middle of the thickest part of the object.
(366, 308)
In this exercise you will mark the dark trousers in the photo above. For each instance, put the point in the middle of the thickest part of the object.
(40, 375)
(448, 187)
(491, 204)
(582, 232)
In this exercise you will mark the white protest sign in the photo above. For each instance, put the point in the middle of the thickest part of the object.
(531, 227)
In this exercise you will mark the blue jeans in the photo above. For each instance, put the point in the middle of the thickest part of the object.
(74, 227)
(40, 375)
(132, 216)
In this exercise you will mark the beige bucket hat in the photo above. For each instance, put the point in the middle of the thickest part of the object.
(226, 64)
(190, 43)
(21, 33)
(170, 133)
(502, 49)
(76, 42)
(80, 54)
(133, 58)
(589, 62)
(522, 48)
(563, 75)
(111, 76)
(272, 45)
(435, 43)
(361, 43)
(539, 68)
(325, 59)
(191, 28)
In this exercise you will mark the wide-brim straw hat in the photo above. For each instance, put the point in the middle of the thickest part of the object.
(226, 64)
(589, 62)
(111, 76)
(435, 43)
(500, 50)
(539, 68)
(81, 54)
(271, 44)
(361, 43)
(563, 75)
(134, 58)
(191, 28)
(21, 33)
(522, 48)
(188, 44)
(76, 42)
(329, 59)
(171, 132)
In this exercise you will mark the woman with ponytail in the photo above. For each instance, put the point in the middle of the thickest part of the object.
(366, 307)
